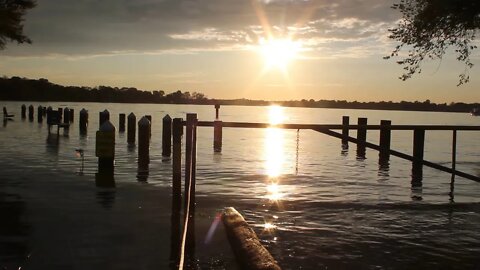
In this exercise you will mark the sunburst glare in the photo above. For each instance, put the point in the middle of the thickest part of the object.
(278, 53)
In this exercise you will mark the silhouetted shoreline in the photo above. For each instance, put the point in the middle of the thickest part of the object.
(24, 89)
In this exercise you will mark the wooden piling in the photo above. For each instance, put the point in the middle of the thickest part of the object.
(40, 114)
(60, 112)
(103, 117)
(66, 115)
(24, 111)
(131, 128)
(385, 139)
(249, 252)
(71, 113)
(121, 122)
(83, 121)
(105, 146)
(190, 160)
(217, 136)
(144, 141)
(177, 132)
(345, 129)
(361, 137)
(166, 136)
(30, 112)
(454, 150)
(217, 108)
(418, 151)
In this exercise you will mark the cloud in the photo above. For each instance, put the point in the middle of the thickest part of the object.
(79, 28)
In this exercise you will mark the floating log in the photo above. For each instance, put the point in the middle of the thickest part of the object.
(250, 253)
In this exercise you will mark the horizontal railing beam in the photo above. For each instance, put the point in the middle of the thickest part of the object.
(337, 126)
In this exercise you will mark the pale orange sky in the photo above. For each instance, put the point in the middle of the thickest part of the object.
(212, 47)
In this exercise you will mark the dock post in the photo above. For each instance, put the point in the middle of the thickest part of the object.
(66, 115)
(361, 137)
(418, 150)
(217, 108)
(83, 122)
(177, 132)
(166, 136)
(30, 113)
(121, 122)
(190, 175)
(149, 117)
(60, 112)
(345, 130)
(385, 138)
(143, 147)
(24, 111)
(103, 117)
(105, 147)
(71, 113)
(217, 136)
(131, 128)
(40, 114)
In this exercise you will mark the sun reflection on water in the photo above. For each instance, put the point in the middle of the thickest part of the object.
(274, 143)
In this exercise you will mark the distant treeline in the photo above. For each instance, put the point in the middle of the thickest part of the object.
(23, 89)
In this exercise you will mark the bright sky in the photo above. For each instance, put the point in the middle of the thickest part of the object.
(256, 49)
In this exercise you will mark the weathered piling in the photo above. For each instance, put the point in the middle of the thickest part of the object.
(249, 252)
(418, 151)
(24, 111)
(149, 117)
(40, 114)
(143, 141)
(103, 117)
(60, 111)
(177, 132)
(30, 112)
(217, 108)
(71, 114)
(166, 136)
(66, 115)
(83, 121)
(121, 122)
(345, 130)
(190, 161)
(131, 128)
(105, 146)
(385, 138)
(361, 137)
(217, 136)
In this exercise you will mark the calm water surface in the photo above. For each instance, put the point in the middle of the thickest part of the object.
(316, 208)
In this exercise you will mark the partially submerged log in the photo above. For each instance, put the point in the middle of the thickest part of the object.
(250, 253)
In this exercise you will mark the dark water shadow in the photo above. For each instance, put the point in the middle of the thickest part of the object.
(105, 181)
(14, 232)
(143, 170)
(53, 143)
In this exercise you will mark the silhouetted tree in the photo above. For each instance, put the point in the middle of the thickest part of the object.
(11, 21)
(429, 27)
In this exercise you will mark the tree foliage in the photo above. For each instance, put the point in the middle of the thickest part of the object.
(11, 21)
(430, 27)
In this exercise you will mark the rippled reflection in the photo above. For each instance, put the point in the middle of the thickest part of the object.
(274, 143)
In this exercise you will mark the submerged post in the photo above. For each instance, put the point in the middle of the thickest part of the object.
(143, 141)
(24, 111)
(132, 121)
(385, 138)
(361, 137)
(217, 108)
(177, 132)
(83, 122)
(30, 112)
(66, 115)
(166, 136)
(345, 130)
(121, 122)
(71, 113)
(217, 135)
(40, 114)
(105, 146)
(103, 117)
(418, 150)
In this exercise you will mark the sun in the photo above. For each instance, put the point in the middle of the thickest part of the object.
(278, 53)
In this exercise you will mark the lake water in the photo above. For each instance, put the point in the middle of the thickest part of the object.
(316, 208)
